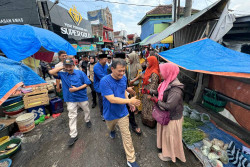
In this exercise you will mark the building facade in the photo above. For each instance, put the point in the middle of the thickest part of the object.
(157, 19)
(102, 25)
(120, 39)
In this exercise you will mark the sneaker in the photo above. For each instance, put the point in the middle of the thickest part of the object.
(89, 124)
(93, 105)
(102, 118)
(134, 164)
(72, 141)
(112, 134)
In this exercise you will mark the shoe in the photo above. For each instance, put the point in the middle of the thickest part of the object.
(89, 124)
(112, 134)
(138, 133)
(93, 105)
(163, 158)
(134, 164)
(72, 141)
(102, 118)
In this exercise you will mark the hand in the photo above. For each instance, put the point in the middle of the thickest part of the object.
(135, 101)
(132, 107)
(131, 82)
(149, 96)
(73, 89)
(131, 91)
(154, 99)
(58, 90)
(145, 91)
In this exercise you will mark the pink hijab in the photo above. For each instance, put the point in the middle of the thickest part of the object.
(169, 72)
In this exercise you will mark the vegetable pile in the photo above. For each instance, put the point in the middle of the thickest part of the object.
(191, 136)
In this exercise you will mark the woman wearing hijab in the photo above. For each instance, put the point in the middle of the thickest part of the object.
(170, 98)
(91, 65)
(150, 81)
(134, 74)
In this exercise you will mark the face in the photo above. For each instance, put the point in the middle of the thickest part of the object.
(91, 60)
(62, 57)
(109, 60)
(103, 61)
(118, 72)
(86, 59)
(69, 68)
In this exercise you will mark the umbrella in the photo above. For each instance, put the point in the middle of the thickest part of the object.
(18, 42)
(105, 49)
(14, 74)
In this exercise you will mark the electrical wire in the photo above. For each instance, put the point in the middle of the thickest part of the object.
(122, 3)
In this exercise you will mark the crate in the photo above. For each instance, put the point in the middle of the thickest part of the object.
(211, 97)
(38, 111)
(56, 106)
(212, 107)
(36, 98)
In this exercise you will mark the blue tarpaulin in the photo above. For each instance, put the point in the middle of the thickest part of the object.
(21, 41)
(207, 55)
(14, 74)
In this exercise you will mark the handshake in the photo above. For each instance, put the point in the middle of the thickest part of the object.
(146, 91)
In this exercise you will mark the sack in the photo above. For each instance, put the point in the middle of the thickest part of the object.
(162, 117)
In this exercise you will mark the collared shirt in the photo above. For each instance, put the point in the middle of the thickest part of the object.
(77, 79)
(111, 86)
(99, 72)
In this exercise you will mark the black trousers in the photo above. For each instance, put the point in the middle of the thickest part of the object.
(132, 119)
(44, 74)
(93, 92)
(100, 102)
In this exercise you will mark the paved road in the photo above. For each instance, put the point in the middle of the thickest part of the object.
(45, 146)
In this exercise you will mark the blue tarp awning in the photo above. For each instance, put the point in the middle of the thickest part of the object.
(14, 74)
(210, 57)
(21, 41)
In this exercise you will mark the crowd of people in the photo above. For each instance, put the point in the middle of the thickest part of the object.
(125, 85)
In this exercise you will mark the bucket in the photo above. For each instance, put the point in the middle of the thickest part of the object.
(25, 122)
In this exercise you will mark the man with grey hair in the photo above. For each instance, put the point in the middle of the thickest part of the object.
(115, 97)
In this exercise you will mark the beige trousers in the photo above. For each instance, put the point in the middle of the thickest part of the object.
(123, 124)
(72, 108)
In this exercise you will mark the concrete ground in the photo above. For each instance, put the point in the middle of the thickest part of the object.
(45, 146)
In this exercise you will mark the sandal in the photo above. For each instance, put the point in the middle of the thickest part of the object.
(163, 158)
(136, 131)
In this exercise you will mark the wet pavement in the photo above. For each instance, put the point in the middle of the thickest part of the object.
(45, 146)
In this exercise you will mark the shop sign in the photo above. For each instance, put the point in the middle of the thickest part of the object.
(84, 48)
(75, 15)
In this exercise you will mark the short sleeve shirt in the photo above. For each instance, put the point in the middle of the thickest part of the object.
(111, 86)
(99, 72)
(77, 79)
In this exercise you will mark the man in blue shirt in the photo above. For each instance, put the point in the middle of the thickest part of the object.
(100, 70)
(74, 83)
(113, 89)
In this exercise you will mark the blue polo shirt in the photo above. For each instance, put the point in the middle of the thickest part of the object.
(111, 86)
(77, 79)
(99, 72)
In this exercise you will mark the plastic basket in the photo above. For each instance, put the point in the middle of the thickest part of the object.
(11, 151)
(212, 98)
(13, 105)
(212, 107)
(15, 109)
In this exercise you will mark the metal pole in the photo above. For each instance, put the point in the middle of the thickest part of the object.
(179, 8)
(243, 105)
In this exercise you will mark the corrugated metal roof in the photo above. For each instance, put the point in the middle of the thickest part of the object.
(210, 13)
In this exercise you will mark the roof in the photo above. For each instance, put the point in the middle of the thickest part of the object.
(222, 61)
(166, 9)
(211, 12)
(163, 10)
(116, 33)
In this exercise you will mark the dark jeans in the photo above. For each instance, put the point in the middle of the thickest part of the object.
(100, 102)
(93, 92)
(132, 119)
(44, 74)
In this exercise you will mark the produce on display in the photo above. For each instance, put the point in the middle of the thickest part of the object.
(216, 163)
(190, 123)
(191, 136)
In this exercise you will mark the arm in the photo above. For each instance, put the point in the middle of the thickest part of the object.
(58, 85)
(118, 100)
(74, 89)
(55, 71)
(172, 101)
